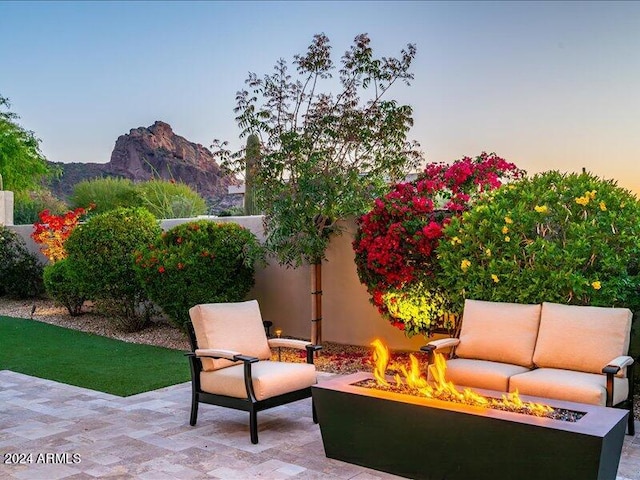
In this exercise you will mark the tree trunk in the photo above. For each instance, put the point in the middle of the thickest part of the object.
(316, 302)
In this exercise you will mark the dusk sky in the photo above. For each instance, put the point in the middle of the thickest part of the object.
(546, 85)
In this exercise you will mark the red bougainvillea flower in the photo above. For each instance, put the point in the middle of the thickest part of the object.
(396, 241)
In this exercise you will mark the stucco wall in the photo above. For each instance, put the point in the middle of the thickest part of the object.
(284, 293)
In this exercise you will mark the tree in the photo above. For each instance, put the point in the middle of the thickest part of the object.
(22, 165)
(324, 157)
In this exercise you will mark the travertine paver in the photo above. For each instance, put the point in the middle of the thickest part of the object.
(148, 436)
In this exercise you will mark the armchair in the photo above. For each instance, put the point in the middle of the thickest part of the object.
(231, 367)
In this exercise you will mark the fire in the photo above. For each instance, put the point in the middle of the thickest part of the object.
(441, 389)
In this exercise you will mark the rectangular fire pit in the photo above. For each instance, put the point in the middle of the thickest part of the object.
(421, 438)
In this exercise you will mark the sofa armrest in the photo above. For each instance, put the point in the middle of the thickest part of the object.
(617, 364)
(436, 345)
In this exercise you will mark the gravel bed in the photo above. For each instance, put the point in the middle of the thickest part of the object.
(334, 357)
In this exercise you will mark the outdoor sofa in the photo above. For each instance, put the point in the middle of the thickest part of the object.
(564, 352)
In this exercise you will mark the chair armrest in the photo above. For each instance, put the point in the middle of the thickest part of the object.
(227, 354)
(617, 364)
(439, 344)
(288, 343)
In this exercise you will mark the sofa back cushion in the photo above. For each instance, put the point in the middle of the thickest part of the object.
(499, 332)
(230, 326)
(581, 338)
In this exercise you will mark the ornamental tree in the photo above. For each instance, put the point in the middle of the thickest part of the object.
(564, 238)
(324, 156)
(396, 242)
(52, 232)
(22, 165)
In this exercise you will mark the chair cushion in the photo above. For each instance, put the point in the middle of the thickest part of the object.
(569, 386)
(579, 338)
(230, 326)
(499, 332)
(269, 379)
(481, 373)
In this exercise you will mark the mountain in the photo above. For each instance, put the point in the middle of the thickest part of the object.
(155, 152)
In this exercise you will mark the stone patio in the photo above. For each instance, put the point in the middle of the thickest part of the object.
(148, 436)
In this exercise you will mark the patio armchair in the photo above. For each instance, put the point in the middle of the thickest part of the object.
(231, 367)
(563, 352)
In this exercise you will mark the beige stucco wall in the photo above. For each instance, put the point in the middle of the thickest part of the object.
(6, 207)
(284, 293)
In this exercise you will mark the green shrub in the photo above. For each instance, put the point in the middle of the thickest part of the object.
(565, 238)
(62, 284)
(104, 194)
(101, 255)
(27, 206)
(198, 262)
(168, 199)
(20, 270)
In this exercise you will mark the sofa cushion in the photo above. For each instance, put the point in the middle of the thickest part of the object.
(230, 326)
(269, 379)
(569, 386)
(499, 332)
(465, 372)
(580, 338)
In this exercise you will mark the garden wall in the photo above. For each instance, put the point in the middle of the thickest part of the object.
(284, 293)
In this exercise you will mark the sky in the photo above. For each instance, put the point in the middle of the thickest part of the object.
(546, 85)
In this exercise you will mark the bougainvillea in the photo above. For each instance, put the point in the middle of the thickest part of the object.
(396, 241)
(564, 238)
(53, 230)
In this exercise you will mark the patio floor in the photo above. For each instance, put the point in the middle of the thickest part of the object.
(148, 436)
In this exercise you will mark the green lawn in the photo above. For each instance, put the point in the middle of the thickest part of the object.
(87, 360)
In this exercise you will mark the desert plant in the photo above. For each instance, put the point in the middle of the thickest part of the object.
(170, 199)
(252, 157)
(396, 241)
(101, 254)
(198, 262)
(104, 194)
(565, 238)
(28, 205)
(20, 270)
(62, 284)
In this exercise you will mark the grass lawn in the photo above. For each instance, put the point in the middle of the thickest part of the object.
(87, 360)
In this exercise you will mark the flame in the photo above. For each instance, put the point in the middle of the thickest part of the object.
(442, 389)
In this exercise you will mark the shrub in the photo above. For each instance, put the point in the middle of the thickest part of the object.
(169, 199)
(396, 241)
(564, 238)
(101, 254)
(198, 262)
(52, 231)
(104, 194)
(20, 270)
(28, 205)
(62, 284)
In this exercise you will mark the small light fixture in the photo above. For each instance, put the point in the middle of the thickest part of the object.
(278, 332)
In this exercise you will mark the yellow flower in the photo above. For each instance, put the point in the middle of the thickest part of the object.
(603, 206)
(495, 278)
(488, 252)
(541, 208)
(508, 220)
(456, 241)
(507, 239)
(591, 194)
(465, 264)
(596, 285)
(582, 200)
(505, 230)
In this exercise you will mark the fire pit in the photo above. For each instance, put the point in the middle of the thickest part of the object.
(428, 438)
